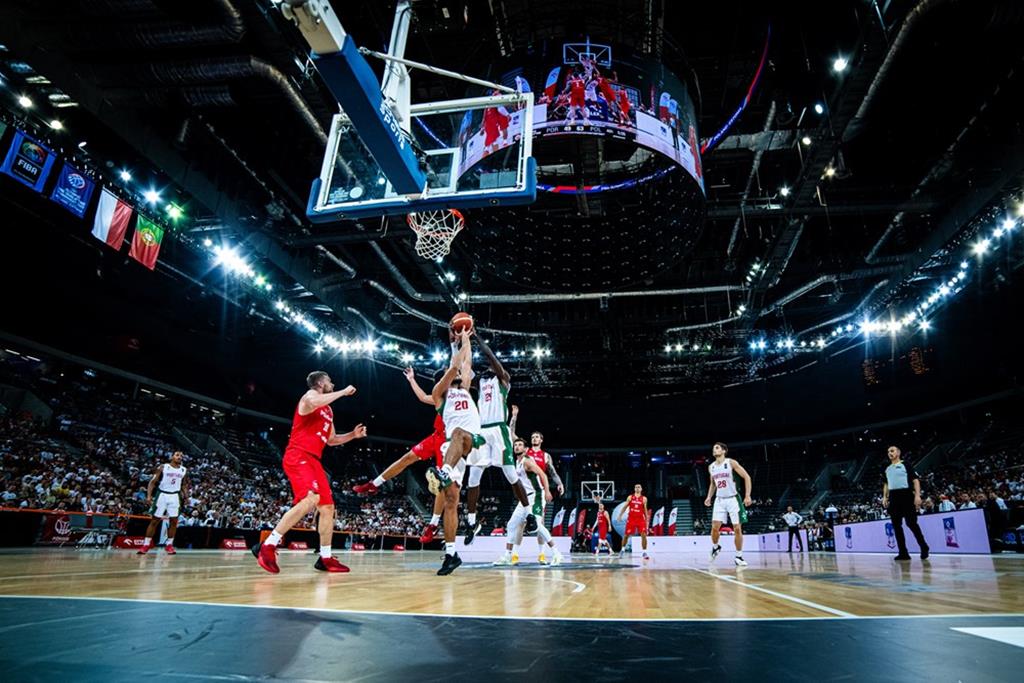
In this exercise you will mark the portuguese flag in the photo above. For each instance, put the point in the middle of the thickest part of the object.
(146, 243)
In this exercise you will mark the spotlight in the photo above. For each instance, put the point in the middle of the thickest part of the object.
(25, 101)
(924, 326)
(408, 357)
(268, 286)
(173, 212)
(742, 308)
(762, 345)
(207, 243)
(679, 347)
(125, 175)
(696, 347)
(450, 276)
(803, 343)
(779, 344)
(439, 259)
(279, 305)
(788, 343)
(784, 191)
(819, 109)
(515, 353)
(318, 348)
(806, 140)
(1008, 225)
(753, 346)
(668, 348)
(820, 342)
(840, 64)
(963, 265)
(981, 247)
(260, 280)
(944, 290)
(538, 352)
(547, 352)
(849, 327)
(463, 296)
(152, 196)
(830, 172)
(57, 124)
(437, 356)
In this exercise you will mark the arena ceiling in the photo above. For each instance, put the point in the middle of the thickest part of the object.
(917, 144)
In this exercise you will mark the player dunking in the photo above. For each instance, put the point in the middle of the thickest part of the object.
(544, 462)
(636, 523)
(603, 522)
(312, 429)
(428, 448)
(173, 480)
(462, 427)
(727, 500)
(535, 482)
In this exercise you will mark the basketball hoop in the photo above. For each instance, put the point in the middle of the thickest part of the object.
(435, 231)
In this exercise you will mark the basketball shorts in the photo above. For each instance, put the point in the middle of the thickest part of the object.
(602, 533)
(459, 468)
(636, 526)
(167, 505)
(430, 447)
(306, 474)
(728, 510)
(497, 448)
(535, 506)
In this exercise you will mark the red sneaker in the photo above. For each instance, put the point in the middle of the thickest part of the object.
(369, 488)
(143, 550)
(330, 565)
(267, 558)
(169, 549)
(428, 534)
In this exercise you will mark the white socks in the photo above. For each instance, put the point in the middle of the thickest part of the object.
(435, 520)
(273, 539)
(471, 516)
(378, 482)
(325, 552)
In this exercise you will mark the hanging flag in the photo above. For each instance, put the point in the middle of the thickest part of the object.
(672, 522)
(572, 521)
(551, 84)
(111, 222)
(582, 523)
(73, 190)
(28, 161)
(556, 523)
(146, 242)
(657, 521)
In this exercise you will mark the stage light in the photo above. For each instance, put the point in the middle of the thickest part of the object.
(125, 175)
(538, 352)
(806, 140)
(439, 259)
(668, 348)
(547, 352)
(803, 343)
(331, 341)
(450, 276)
(820, 342)
(279, 305)
(174, 212)
(57, 124)
(753, 346)
(152, 196)
(679, 347)
(742, 308)
(944, 290)
(25, 101)
(318, 348)
(268, 287)
(819, 108)
(981, 247)
(696, 347)
(463, 296)
(924, 326)
(840, 64)
(437, 356)
(260, 280)
(779, 344)
(830, 171)
(1008, 224)
(408, 358)
(849, 327)
(784, 191)
(788, 343)
(865, 327)
(963, 265)
(515, 353)
(762, 345)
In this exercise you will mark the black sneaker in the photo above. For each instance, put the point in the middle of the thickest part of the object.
(531, 524)
(902, 558)
(471, 532)
(925, 551)
(451, 563)
(255, 550)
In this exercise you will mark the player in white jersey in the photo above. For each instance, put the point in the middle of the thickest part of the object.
(462, 429)
(727, 507)
(533, 479)
(173, 480)
(492, 395)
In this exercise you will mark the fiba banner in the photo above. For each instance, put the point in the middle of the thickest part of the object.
(556, 523)
(961, 531)
(28, 161)
(672, 522)
(73, 190)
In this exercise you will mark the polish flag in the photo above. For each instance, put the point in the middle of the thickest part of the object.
(112, 217)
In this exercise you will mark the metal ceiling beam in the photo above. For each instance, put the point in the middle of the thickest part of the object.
(846, 208)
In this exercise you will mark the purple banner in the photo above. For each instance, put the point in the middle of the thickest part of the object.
(962, 531)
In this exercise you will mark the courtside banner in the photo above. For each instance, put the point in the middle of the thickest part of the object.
(961, 531)
(73, 190)
(28, 161)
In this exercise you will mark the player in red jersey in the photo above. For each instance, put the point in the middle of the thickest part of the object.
(312, 429)
(603, 522)
(543, 460)
(577, 89)
(426, 449)
(636, 523)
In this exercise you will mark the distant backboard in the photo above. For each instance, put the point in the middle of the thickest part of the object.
(473, 152)
(579, 53)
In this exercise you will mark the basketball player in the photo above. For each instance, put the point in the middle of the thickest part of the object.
(426, 449)
(543, 460)
(312, 429)
(727, 500)
(492, 398)
(636, 523)
(604, 521)
(462, 428)
(173, 480)
(576, 87)
(532, 478)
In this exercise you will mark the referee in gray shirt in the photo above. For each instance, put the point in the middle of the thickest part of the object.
(901, 494)
(793, 520)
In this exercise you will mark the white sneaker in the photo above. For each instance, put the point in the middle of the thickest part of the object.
(503, 561)
(556, 558)
(714, 552)
(740, 562)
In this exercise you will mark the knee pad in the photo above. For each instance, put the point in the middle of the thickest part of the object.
(510, 473)
(475, 475)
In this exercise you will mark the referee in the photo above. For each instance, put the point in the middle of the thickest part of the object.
(902, 503)
(793, 520)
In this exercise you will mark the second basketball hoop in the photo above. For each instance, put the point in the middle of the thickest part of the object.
(435, 231)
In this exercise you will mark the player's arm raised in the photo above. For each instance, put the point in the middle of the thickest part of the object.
(423, 396)
(554, 475)
(496, 367)
(446, 380)
(358, 432)
(738, 468)
(530, 466)
(313, 400)
(711, 489)
(152, 484)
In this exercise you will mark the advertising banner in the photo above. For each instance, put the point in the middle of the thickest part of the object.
(961, 531)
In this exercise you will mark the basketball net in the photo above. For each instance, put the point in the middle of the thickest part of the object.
(435, 231)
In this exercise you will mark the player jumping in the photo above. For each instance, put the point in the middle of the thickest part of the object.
(727, 500)
(312, 429)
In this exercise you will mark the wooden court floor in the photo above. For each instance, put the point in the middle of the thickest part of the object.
(775, 585)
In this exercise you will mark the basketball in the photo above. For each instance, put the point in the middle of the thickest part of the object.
(461, 321)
